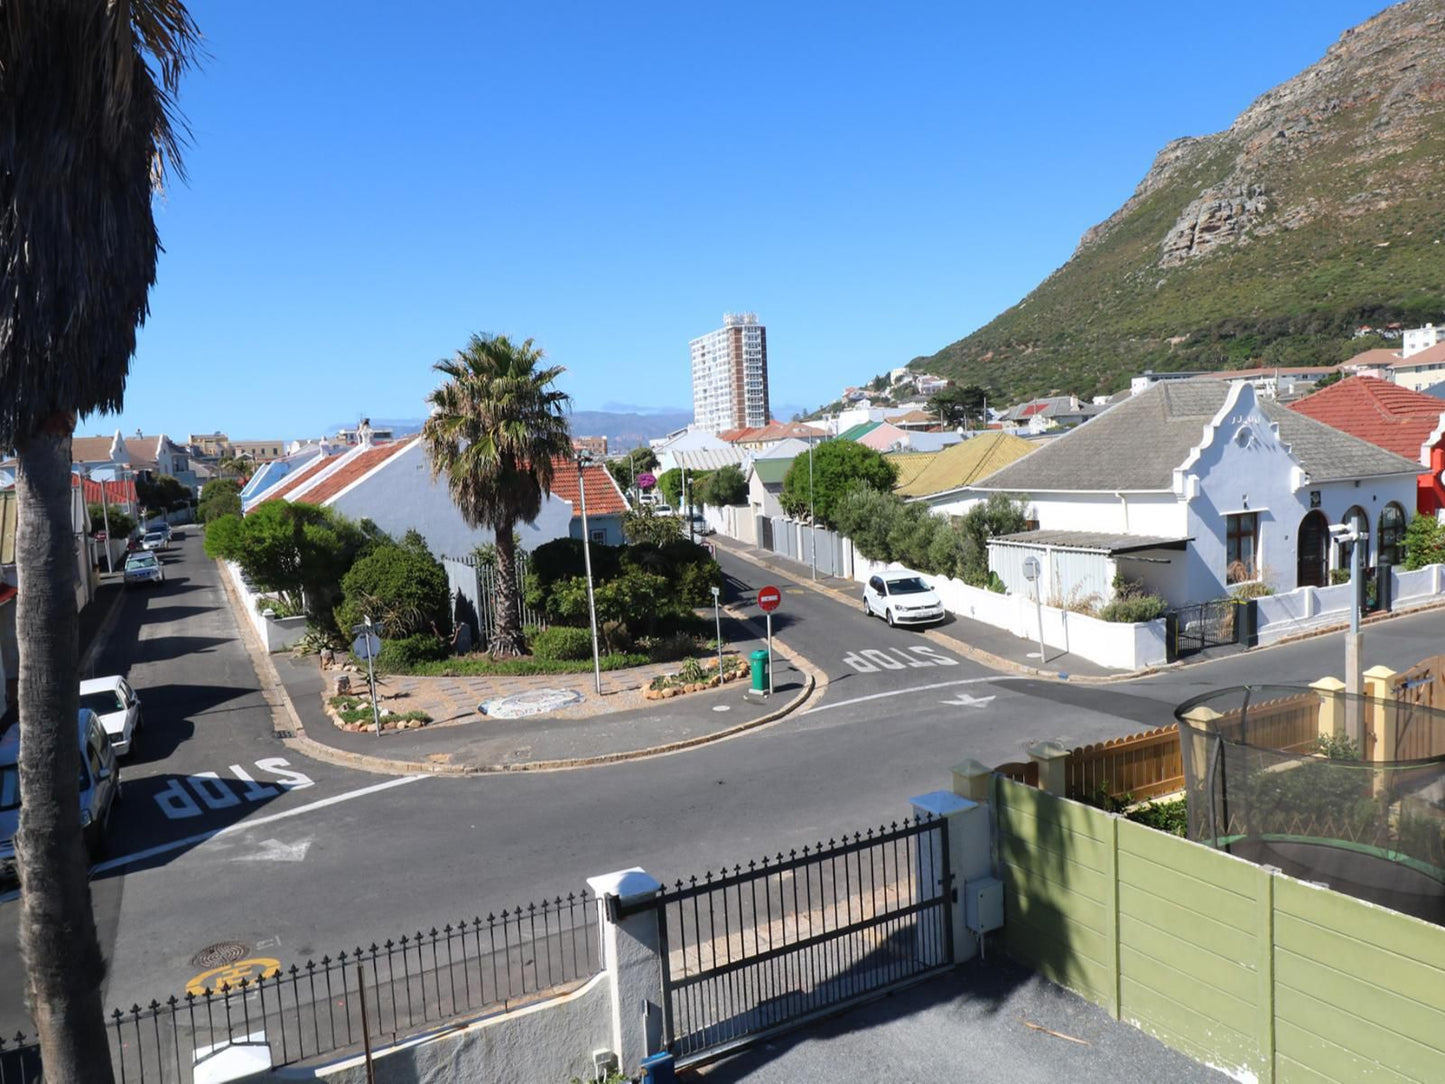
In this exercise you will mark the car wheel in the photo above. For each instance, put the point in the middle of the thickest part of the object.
(888, 616)
(867, 610)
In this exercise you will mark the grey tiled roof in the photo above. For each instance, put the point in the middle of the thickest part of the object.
(1137, 444)
(1101, 541)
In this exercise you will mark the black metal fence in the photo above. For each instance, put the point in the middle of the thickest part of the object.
(375, 995)
(1199, 625)
(758, 948)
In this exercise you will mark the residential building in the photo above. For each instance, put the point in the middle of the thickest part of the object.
(1416, 339)
(943, 480)
(1421, 369)
(913, 419)
(271, 472)
(1191, 487)
(1053, 412)
(730, 374)
(365, 433)
(595, 447)
(757, 438)
(929, 385)
(691, 438)
(1408, 423)
(606, 504)
(212, 445)
(258, 451)
(765, 485)
(1269, 381)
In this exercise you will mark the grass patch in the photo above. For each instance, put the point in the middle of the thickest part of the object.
(480, 666)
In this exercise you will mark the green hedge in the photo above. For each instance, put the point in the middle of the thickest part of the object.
(400, 656)
(482, 667)
(562, 643)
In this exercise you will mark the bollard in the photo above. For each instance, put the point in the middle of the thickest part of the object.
(657, 1069)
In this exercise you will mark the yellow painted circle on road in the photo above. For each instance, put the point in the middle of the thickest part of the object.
(230, 975)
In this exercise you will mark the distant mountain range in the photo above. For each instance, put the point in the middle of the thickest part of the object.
(1318, 212)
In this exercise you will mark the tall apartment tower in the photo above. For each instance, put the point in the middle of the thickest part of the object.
(730, 374)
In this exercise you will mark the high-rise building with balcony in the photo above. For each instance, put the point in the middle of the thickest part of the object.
(730, 374)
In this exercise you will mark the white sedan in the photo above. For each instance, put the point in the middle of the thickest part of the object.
(117, 706)
(902, 598)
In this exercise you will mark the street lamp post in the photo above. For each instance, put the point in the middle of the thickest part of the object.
(717, 617)
(1350, 533)
(812, 521)
(587, 564)
(105, 517)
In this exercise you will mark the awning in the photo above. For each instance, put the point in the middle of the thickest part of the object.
(1105, 542)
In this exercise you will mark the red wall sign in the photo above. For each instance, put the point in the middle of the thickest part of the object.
(769, 598)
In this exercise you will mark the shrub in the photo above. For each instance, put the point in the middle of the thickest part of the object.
(644, 525)
(401, 586)
(1424, 542)
(121, 525)
(562, 643)
(402, 655)
(678, 645)
(1133, 609)
(1254, 589)
(481, 666)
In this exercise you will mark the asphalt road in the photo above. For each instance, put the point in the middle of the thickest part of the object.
(311, 858)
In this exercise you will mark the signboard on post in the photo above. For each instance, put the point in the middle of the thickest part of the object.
(769, 598)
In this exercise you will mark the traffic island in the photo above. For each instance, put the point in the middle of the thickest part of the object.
(695, 677)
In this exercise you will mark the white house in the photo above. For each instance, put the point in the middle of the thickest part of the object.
(693, 438)
(1191, 487)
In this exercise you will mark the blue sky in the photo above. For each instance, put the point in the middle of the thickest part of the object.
(369, 184)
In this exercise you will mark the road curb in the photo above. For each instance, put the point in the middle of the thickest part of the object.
(275, 694)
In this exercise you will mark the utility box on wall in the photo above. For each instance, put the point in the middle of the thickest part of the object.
(983, 905)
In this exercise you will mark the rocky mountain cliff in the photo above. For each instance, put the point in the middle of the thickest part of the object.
(1320, 209)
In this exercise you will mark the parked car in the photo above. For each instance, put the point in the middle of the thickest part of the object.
(117, 706)
(99, 788)
(143, 566)
(697, 524)
(155, 541)
(902, 598)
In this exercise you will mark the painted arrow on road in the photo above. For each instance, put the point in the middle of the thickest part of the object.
(273, 850)
(963, 700)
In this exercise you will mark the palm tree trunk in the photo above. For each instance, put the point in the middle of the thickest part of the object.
(507, 640)
(63, 963)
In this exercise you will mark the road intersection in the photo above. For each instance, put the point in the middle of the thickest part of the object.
(228, 835)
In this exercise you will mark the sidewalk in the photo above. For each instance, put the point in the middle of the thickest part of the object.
(984, 643)
(473, 742)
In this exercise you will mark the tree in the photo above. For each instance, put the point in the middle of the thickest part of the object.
(121, 525)
(644, 525)
(297, 550)
(724, 486)
(220, 497)
(669, 484)
(838, 465)
(1328, 379)
(625, 469)
(87, 133)
(401, 586)
(959, 405)
(164, 492)
(1424, 542)
(999, 515)
(496, 426)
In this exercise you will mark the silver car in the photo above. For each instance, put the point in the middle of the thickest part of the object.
(143, 567)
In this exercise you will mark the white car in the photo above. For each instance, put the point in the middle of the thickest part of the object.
(156, 541)
(143, 566)
(902, 598)
(117, 706)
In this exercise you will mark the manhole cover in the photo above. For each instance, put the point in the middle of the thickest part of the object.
(530, 703)
(218, 955)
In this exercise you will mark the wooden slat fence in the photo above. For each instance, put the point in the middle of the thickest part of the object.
(1419, 734)
(1143, 765)
(1289, 723)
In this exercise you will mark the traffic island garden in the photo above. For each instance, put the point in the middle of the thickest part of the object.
(695, 676)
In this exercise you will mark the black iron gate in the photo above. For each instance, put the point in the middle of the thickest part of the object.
(1199, 625)
(760, 949)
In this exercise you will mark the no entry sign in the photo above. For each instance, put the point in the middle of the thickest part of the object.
(769, 598)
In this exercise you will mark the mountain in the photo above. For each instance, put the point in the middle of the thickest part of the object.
(628, 429)
(1319, 210)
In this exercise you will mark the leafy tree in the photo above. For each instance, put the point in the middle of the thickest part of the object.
(496, 426)
(642, 524)
(402, 586)
(1424, 542)
(296, 550)
(669, 484)
(865, 516)
(121, 525)
(959, 405)
(87, 94)
(220, 497)
(838, 466)
(1328, 379)
(164, 492)
(724, 486)
(999, 515)
(626, 468)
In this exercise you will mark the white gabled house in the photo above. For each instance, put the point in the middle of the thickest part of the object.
(1192, 487)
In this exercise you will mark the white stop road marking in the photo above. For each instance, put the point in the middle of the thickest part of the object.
(871, 660)
(178, 798)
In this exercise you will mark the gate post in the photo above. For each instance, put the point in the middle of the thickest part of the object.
(632, 958)
(969, 858)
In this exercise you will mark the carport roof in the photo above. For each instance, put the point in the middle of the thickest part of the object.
(1093, 541)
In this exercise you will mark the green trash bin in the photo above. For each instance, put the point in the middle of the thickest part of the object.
(759, 659)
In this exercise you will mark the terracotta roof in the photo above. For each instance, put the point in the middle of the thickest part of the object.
(773, 431)
(603, 496)
(1381, 356)
(1384, 414)
(299, 477)
(115, 492)
(912, 417)
(359, 462)
(1433, 355)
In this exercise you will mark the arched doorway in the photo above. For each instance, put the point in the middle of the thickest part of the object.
(1392, 535)
(1313, 547)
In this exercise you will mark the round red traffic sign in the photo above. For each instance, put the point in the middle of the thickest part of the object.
(768, 598)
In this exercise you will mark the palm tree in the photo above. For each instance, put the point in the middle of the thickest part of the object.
(87, 133)
(496, 426)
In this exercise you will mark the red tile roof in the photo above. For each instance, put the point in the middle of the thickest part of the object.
(603, 496)
(1383, 414)
(361, 461)
(773, 431)
(115, 492)
(300, 476)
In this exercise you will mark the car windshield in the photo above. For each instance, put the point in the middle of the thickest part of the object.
(154, 536)
(103, 702)
(912, 585)
(141, 560)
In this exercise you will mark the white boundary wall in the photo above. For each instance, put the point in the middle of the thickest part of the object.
(276, 633)
(1310, 608)
(1109, 643)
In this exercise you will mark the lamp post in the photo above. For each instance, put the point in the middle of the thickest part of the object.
(105, 517)
(812, 522)
(717, 617)
(587, 564)
(1350, 533)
